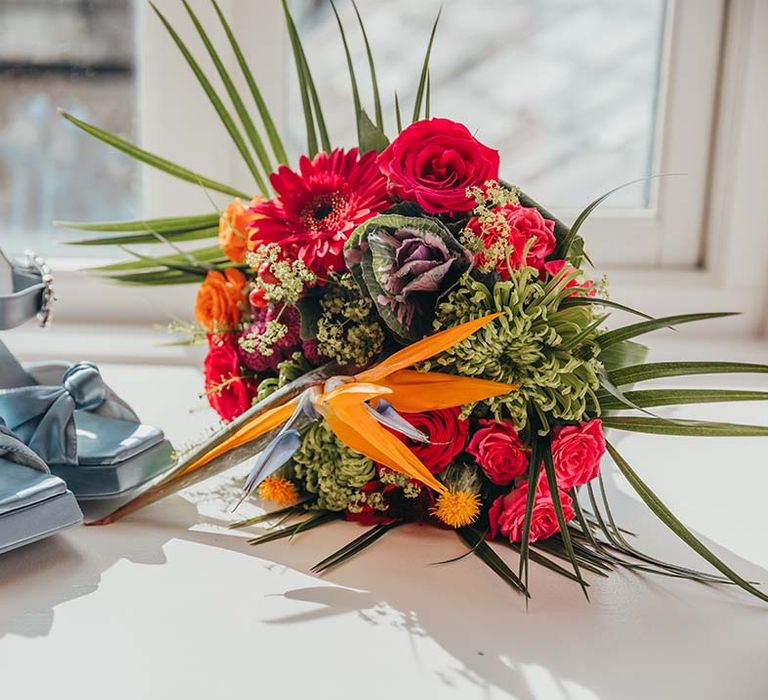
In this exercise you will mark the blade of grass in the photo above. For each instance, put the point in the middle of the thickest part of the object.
(215, 100)
(582, 301)
(164, 225)
(534, 469)
(264, 517)
(428, 101)
(372, 67)
(204, 255)
(269, 125)
(425, 70)
(665, 515)
(155, 161)
(632, 331)
(245, 118)
(398, 116)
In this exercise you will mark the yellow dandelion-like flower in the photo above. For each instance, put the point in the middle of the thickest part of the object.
(457, 508)
(281, 492)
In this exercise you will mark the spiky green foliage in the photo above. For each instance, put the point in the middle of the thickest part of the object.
(535, 344)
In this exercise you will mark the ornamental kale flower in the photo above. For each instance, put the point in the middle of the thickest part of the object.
(405, 264)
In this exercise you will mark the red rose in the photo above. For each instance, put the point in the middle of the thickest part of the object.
(228, 392)
(498, 450)
(577, 451)
(585, 287)
(434, 161)
(447, 437)
(507, 514)
(522, 225)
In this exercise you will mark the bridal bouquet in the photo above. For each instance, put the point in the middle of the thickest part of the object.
(395, 334)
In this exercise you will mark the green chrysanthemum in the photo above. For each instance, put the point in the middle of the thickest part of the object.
(333, 471)
(549, 351)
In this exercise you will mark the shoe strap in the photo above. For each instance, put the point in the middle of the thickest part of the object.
(31, 291)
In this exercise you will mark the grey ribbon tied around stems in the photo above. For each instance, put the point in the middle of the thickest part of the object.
(44, 416)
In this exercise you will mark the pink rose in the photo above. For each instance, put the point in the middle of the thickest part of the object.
(507, 514)
(523, 224)
(586, 287)
(577, 451)
(434, 161)
(498, 450)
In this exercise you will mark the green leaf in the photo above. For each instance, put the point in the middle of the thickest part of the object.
(632, 331)
(155, 161)
(352, 79)
(679, 426)
(215, 100)
(428, 101)
(309, 312)
(315, 520)
(675, 397)
(371, 137)
(158, 278)
(563, 249)
(398, 116)
(481, 549)
(534, 469)
(207, 255)
(554, 491)
(372, 68)
(245, 118)
(264, 517)
(306, 102)
(151, 237)
(425, 71)
(269, 125)
(354, 547)
(666, 516)
(662, 370)
(623, 355)
(169, 224)
(594, 301)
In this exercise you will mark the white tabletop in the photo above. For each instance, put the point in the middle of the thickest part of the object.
(171, 604)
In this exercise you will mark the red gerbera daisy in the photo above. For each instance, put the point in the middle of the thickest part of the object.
(318, 207)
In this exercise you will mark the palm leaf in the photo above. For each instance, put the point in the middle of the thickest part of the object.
(481, 549)
(549, 470)
(354, 547)
(676, 397)
(666, 516)
(150, 236)
(155, 161)
(269, 125)
(315, 520)
(372, 67)
(632, 331)
(165, 225)
(662, 370)
(681, 427)
(425, 71)
(352, 78)
(245, 119)
(215, 100)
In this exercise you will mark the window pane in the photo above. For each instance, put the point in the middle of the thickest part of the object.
(78, 56)
(566, 89)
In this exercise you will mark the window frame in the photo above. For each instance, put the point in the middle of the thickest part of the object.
(699, 247)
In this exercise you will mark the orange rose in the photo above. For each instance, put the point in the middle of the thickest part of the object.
(219, 300)
(233, 229)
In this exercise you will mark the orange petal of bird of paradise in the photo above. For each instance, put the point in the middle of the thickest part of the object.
(413, 392)
(348, 417)
(424, 349)
(269, 420)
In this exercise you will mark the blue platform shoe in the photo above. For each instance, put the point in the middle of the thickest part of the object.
(65, 412)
